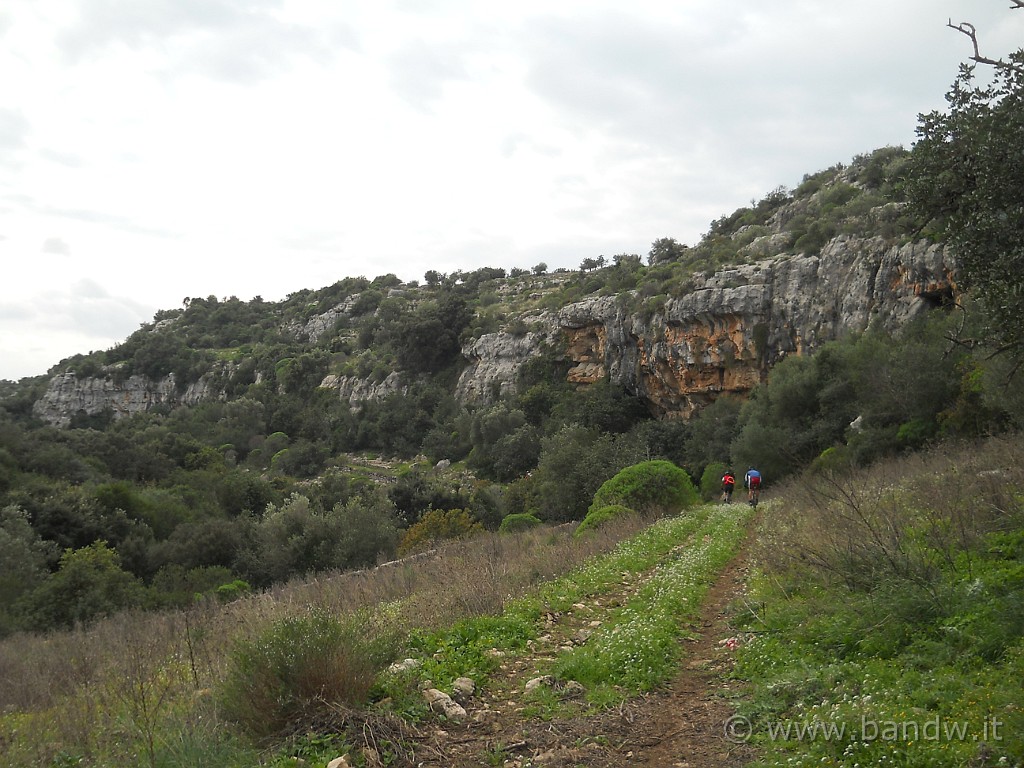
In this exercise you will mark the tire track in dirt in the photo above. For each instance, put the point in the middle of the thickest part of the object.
(685, 726)
(679, 726)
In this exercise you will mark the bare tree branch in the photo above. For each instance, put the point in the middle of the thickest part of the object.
(966, 28)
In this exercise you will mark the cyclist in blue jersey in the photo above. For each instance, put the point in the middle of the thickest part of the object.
(752, 482)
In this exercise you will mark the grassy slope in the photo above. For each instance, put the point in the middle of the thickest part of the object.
(891, 601)
(160, 704)
(886, 625)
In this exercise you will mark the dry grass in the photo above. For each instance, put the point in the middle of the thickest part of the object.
(908, 519)
(134, 678)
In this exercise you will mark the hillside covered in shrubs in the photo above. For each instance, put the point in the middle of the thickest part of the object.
(281, 478)
(214, 582)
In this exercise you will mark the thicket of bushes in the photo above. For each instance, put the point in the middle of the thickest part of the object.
(657, 487)
(256, 489)
(270, 678)
(178, 519)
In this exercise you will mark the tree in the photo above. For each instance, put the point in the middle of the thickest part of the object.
(650, 486)
(292, 539)
(711, 432)
(369, 530)
(515, 454)
(665, 250)
(239, 491)
(436, 526)
(89, 583)
(965, 178)
(23, 560)
(488, 428)
(427, 340)
(540, 269)
(573, 463)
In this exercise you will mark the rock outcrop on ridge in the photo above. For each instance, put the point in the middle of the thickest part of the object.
(68, 396)
(676, 354)
(725, 334)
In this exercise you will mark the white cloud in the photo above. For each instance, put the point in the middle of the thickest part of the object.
(56, 246)
(14, 129)
(241, 147)
(49, 325)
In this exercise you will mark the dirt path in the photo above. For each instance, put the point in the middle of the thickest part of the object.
(685, 726)
(682, 725)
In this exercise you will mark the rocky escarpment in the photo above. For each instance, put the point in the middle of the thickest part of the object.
(68, 396)
(726, 333)
(355, 390)
(496, 359)
(677, 354)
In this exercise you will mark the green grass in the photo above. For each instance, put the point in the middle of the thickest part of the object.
(637, 647)
(635, 555)
(906, 665)
(467, 647)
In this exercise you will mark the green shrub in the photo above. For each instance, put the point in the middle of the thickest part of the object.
(711, 480)
(597, 517)
(438, 525)
(299, 667)
(838, 458)
(519, 521)
(232, 591)
(650, 486)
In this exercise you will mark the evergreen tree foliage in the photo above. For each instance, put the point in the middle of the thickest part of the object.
(265, 484)
(966, 178)
(89, 583)
(650, 486)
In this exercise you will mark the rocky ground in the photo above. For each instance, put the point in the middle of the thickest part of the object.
(681, 725)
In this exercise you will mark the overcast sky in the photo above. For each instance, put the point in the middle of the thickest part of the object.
(152, 150)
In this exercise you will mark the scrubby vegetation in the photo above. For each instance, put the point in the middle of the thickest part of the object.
(283, 479)
(162, 689)
(196, 587)
(891, 593)
(519, 521)
(648, 487)
(885, 625)
(598, 516)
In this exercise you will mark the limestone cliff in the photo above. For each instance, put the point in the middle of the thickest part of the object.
(677, 354)
(68, 396)
(724, 334)
(355, 391)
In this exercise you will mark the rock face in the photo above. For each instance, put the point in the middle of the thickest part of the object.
(319, 325)
(495, 359)
(724, 335)
(68, 396)
(356, 391)
(677, 354)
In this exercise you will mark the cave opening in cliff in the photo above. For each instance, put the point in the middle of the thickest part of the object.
(941, 298)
